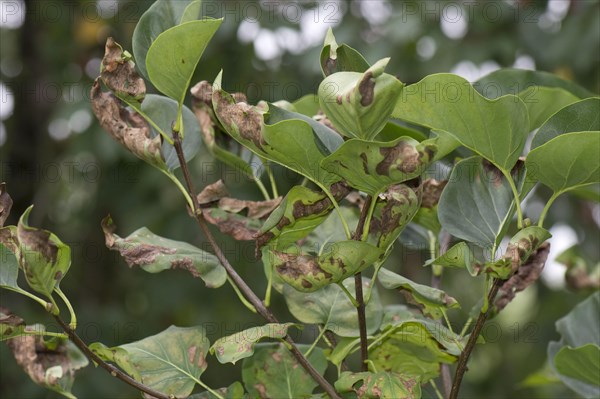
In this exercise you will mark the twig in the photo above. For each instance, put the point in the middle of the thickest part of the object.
(238, 281)
(114, 371)
(464, 356)
(360, 309)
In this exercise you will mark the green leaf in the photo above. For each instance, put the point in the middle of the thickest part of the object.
(330, 307)
(307, 105)
(163, 112)
(9, 266)
(162, 15)
(241, 345)
(381, 164)
(274, 373)
(155, 253)
(477, 204)
(430, 300)
(233, 391)
(581, 116)
(173, 56)
(340, 58)
(335, 262)
(579, 328)
(448, 104)
(192, 12)
(170, 362)
(459, 256)
(11, 325)
(378, 385)
(45, 259)
(567, 161)
(542, 102)
(582, 363)
(360, 104)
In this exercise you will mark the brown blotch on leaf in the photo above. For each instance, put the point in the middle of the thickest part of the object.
(196, 357)
(526, 275)
(432, 190)
(213, 192)
(255, 209)
(492, 173)
(234, 225)
(8, 238)
(127, 127)
(402, 156)
(329, 65)
(119, 75)
(9, 318)
(366, 88)
(245, 118)
(262, 391)
(37, 240)
(298, 266)
(5, 204)
(202, 91)
(185, 264)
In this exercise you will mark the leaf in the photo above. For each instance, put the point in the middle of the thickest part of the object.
(582, 363)
(127, 127)
(477, 204)
(381, 164)
(274, 373)
(522, 245)
(170, 362)
(378, 385)
(5, 204)
(330, 307)
(542, 102)
(118, 73)
(45, 259)
(233, 391)
(9, 266)
(340, 58)
(360, 104)
(162, 15)
(449, 105)
(241, 345)
(459, 256)
(579, 328)
(567, 161)
(430, 300)
(155, 253)
(163, 112)
(581, 273)
(173, 56)
(11, 325)
(307, 105)
(581, 116)
(50, 367)
(334, 264)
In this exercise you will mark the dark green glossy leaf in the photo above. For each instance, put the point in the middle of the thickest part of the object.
(154, 254)
(340, 58)
(170, 362)
(582, 363)
(430, 300)
(371, 166)
(378, 385)
(449, 105)
(44, 258)
(241, 345)
(274, 373)
(360, 104)
(330, 307)
(582, 116)
(173, 56)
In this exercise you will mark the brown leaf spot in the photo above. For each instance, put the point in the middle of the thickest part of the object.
(38, 240)
(35, 358)
(244, 118)
(142, 254)
(402, 156)
(213, 192)
(231, 225)
(10, 318)
(9, 240)
(256, 209)
(185, 264)
(262, 391)
(366, 88)
(118, 74)
(432, 190)
(5, 204)
(202, 91)
(297, 266)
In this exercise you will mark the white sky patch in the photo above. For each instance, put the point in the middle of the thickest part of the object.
(248, 31)
(80, 121)
(563, 237)
(558, 9)
(59, 129)
(107, 8)
(265, 45)
(314, 23)
(426, 47)
(12, 14)
(524, 62)
(376, 12)
(2, 134)
(7, 102)
(467, 70)
(453, 21)
(290, 39)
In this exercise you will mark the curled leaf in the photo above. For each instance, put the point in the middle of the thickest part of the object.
(340, 58)
(523, 244)
(5, 204)
(213, 192)
(118, 73)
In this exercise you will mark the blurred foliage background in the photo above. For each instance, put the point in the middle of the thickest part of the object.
(53, 154)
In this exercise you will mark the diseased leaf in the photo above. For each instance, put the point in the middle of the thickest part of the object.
(430, 300)
(44, 258)
(522, 245)
(449, 105)
(359, 104)
(567, 161)
(378, 385)
(241, 345)
(340, 58)
(173, 56)
(52, 367)
(582, 363)
(581, 116)
(9, 265)
(11, 325)
(335, 263)
(581, 273)
(330, 307)
(381, 164)
(274, 373)
(170, 362)
(118, 73)
(5, 204)
(154, 254)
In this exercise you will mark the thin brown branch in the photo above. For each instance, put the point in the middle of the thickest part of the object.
(238, 281)
(114, 371)
(436, 282)
(360, 310)
(466, 353)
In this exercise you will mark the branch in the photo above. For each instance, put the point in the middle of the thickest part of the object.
(464, 356)
(114, 371)
(360, 309)
(237, 280)
(436, 282)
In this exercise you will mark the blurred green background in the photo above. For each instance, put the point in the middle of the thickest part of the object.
(53, 154)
